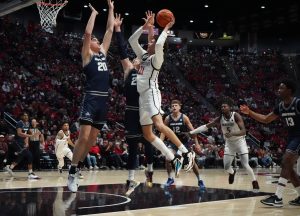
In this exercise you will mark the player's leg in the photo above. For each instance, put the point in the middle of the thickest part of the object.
(156, 142)
(245, 163)
(171, 174)
(287, 173)
(227, 160)
(131, 184)
(199, 179)
(161, 127)
(149, 153)
(28, 156)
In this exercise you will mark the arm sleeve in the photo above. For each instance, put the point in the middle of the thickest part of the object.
(159, 51)
(121, 45)
(134, 43)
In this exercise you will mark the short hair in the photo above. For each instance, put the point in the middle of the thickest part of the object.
(64, 122)
(226, 100)
(175, 102)
(289, 84)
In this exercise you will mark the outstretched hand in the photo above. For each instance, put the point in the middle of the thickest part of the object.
(118, 21)
(149, 20)
(93, 9)
(245, 109)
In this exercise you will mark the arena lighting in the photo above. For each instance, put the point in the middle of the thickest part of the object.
(262, 7)
(211, 21)
(104, 9)
(126, 14)
(206, 6)
(85, 6)
(191, 21)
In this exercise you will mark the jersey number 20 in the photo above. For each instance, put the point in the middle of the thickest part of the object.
(102, 66)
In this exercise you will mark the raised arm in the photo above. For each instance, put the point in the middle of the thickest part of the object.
(134, 38)
(126, 63)
(159, 46)
(258, 117)
(86, 52)
(109, 28)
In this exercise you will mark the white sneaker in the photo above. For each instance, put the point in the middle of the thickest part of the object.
(32, 176)
(191, 160)
(90, 168)
(96, 167)
(131, 185)
(73, 182)
(9, 171)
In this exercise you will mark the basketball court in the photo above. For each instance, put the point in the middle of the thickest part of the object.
(102, 192)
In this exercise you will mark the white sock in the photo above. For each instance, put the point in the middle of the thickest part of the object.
(150, 167)
(159, 144)
(11, 166)
(182, 148)
(30, 171)
(280, 187)
(131, 175)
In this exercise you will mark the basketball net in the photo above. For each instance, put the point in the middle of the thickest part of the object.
(48, 10)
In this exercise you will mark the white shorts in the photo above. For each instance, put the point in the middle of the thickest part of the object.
(150, 105)
(236, 147)
(61, 149)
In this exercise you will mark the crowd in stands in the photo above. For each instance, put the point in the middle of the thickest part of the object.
(41, 73)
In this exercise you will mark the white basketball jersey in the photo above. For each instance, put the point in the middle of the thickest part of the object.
(147, 75)
(229, 126)
(65, 138)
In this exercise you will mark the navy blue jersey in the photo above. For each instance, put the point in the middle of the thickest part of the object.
(291, 116)
(131, 93)
(25, 128)
(97, 76)
(178, 128)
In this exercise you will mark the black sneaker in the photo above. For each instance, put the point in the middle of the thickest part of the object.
(255, 186)
(272, 200)
(295, 202)
(149, 182)
(231, 177)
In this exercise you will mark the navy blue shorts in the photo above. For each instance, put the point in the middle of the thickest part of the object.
(93, 111)
(132, 123)
(293, 145)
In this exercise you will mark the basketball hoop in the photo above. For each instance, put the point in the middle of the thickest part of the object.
(48, 10)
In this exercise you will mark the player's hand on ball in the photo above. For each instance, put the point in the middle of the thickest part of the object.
(170, 24)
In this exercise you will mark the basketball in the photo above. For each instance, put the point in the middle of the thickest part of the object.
(163, 17)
